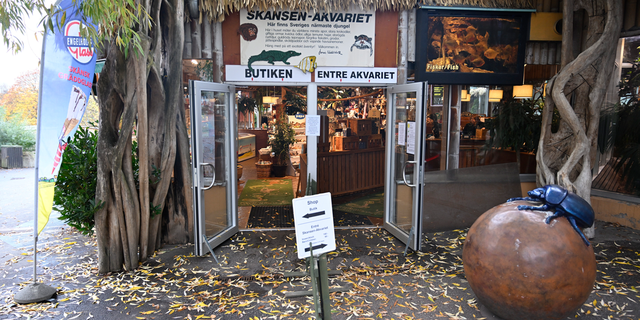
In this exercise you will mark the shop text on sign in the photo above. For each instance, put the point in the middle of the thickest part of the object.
(302, 16)
(266, 74)
(356, 75)
(313, 219)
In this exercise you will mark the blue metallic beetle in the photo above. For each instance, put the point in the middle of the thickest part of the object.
(577, 210)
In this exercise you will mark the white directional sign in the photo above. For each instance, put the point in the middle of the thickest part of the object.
(313, 218)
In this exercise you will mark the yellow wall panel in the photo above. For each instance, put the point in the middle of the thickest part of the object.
(616, 211)
(543, 26)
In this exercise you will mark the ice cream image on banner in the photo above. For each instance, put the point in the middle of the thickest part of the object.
(77, 105)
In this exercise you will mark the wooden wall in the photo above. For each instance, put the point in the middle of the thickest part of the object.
(631, 12)
(631, 19)
(199, 36)
(548, 52)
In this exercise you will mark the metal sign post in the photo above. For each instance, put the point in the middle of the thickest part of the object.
(315, 236)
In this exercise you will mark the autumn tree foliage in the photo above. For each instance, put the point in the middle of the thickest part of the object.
(21, 100)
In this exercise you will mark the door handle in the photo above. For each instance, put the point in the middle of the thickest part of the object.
(404, 173)
(213, 180)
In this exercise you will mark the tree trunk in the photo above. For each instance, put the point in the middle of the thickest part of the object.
(144, 88)
(577, 91)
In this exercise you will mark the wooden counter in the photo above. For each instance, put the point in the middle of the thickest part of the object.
(350, 171)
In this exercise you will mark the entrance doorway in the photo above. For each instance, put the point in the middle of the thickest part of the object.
(350, 154)
(358, 157)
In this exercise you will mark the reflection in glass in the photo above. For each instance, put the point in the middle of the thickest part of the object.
(401, 213)
(214, 128)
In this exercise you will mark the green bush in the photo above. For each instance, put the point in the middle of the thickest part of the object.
(14, 132)
(76, 182)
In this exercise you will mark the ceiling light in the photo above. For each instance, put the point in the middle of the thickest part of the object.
(269, 100)
(495, 95)
(523, 91)
(464, 96)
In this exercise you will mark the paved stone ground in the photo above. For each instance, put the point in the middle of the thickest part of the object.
(248, 283)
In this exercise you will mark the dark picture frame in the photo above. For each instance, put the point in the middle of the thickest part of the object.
(471, 46)
(437, 95)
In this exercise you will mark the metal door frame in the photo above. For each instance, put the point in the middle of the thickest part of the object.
(412, 238)
(195, 87)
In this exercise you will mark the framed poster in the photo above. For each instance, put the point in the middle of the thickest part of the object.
(437, 95)
(306, 40)
(471, 46)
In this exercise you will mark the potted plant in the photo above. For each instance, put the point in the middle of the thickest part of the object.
(516, 126)
(245, 107)
(283, 138)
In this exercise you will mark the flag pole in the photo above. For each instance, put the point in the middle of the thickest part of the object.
(36, 292)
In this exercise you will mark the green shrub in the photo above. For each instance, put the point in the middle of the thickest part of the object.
(15, 132)
(76, 182)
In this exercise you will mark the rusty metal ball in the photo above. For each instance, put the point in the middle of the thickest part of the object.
(521, 268)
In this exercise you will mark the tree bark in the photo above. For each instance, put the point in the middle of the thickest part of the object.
(577, 91)
(143, 86)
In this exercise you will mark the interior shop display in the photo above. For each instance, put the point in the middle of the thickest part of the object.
(246, 146)
(246, 108)
(281, 141)
(263, 169)
(350, 147)
(298, 124)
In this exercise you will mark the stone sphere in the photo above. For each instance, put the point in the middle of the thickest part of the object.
(521, 268)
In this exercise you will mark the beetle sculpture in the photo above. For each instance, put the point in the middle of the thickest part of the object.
(577, 210)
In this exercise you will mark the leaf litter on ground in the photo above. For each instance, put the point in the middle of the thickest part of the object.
(379, 281)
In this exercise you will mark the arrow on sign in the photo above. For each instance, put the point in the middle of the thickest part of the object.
(320, 246)
(313, 214)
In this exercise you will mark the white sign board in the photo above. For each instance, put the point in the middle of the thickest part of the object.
(356, 75)
(402, 133)
(411, 137)
(313, 125)
(301, 38)
(266, 74)
(313, 219)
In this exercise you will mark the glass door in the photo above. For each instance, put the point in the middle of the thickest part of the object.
(405, 171)
(213, 150)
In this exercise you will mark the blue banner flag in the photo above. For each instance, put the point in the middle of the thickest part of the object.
(66, 76)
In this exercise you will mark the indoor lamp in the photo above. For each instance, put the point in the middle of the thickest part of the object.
(523, 91)
(495, 95)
